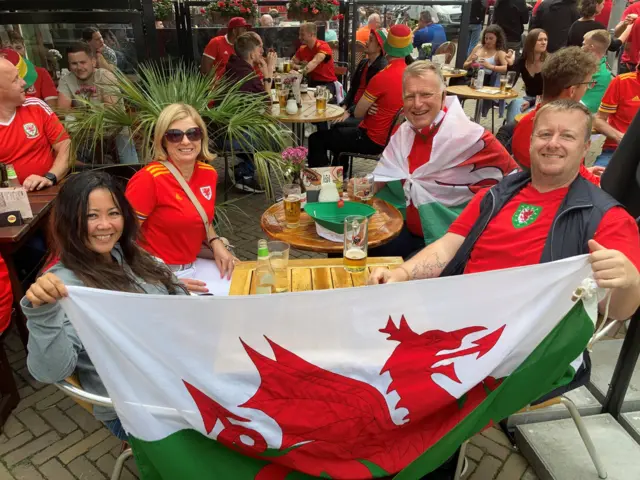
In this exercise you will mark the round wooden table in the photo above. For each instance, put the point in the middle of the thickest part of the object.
(306, 114)
(453, 73)
(384, 226)
(487, 93)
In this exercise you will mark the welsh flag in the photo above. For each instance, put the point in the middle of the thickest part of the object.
(353, 383)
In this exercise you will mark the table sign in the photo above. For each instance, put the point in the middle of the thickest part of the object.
(15, 199)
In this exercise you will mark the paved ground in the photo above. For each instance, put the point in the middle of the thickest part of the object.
(50, 437)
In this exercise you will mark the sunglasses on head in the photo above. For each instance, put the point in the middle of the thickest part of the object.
(175, 136)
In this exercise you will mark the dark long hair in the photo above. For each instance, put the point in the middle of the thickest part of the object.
(501, 41)
(70, 233)
(529, 49)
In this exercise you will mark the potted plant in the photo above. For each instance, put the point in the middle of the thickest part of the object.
(236, 117)
(163, 11)
(221, 11)
(313, 10)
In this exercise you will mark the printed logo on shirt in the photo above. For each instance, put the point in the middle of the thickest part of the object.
(525, 215)
(206, 192)
(635, 99)
(31, 90)
(31, 130)
(178, 197)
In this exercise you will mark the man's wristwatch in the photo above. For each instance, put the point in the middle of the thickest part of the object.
(51, 177)
(267, 80)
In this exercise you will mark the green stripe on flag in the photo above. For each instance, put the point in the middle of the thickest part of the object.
(436, 219)
(544, 370)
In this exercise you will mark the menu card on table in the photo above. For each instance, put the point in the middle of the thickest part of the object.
(15, 199)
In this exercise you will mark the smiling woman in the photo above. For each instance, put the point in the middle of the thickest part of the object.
(174, 196)
(95, 235)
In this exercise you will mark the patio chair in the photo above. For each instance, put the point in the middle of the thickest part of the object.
(397, 120)
(360, 51)
(72, 387)
(448, 49)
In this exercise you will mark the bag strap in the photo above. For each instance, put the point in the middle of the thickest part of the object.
(196, 203)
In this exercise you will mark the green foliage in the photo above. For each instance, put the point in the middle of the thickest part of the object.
(234, 8)
(163, 9)
(235, 118)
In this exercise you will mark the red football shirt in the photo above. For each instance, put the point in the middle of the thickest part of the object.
(6, 297)
(171, 226)
(326, 71)
(27, 138)
(632, 45)
(621, 101)
(603, 16)
(219, 49)
(516, 236)
(43, 88)
(385, 90)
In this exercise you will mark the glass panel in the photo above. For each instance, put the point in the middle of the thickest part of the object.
(46, 44)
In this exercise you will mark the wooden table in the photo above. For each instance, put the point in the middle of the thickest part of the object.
(310, 274)
(457, 73)
(465, 91)
(306, 114)
(14, 238)
(384, 226)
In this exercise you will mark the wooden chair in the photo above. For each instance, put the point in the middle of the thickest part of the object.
(71, 386)
(448, 49)
(360, 51)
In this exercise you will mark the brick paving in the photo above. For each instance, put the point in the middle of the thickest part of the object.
(49, 436)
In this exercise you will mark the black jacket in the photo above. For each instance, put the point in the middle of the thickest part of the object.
(511, 16)
(378, 64)
(574, 225)
(478, 10)
(556, 17)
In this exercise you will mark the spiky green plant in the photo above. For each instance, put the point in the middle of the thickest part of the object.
(235, 118)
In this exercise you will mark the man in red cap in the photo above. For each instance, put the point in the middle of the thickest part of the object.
(365, 71)
(220, 48)
(33, 140)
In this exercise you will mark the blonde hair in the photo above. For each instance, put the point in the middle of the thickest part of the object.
(173, 113)
(310, 27)
(566, 105)
(600, 37)
(420, 68)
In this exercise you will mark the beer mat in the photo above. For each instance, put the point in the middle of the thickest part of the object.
(328, 234)
(15, 198)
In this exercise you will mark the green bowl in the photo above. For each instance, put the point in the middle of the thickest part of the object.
(330, 216)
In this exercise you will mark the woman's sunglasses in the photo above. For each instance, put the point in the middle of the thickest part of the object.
(175, 136)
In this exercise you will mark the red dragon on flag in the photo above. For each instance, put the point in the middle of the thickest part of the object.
(338, 427)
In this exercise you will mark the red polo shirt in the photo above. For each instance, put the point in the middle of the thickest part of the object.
(385, 90)
(325, 72)
(621, 101)
(6, 297)
(43, 88)
(219, 49)
(516, 236)
(171, 226)
(521, 142)
(27, 139)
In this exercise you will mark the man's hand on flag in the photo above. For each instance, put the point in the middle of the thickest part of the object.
(611, 268)
(384, 275)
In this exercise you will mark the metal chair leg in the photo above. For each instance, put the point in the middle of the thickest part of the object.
(460, 464)
(582, 430)
(117, 468)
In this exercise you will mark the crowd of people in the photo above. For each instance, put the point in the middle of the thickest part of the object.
(434, 163)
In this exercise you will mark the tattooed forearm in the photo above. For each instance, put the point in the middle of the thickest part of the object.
(428, 268)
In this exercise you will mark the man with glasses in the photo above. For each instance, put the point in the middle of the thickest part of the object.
(567, 74)
(620, 104)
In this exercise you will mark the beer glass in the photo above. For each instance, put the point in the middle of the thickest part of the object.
(355, 243)
(363, 188)
(292, 204)
(287, 66)
(321, 99)
(279, 261)
(503, 83)
(511, 81)
(283, 93)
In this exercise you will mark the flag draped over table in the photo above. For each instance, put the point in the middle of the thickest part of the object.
(352, 383)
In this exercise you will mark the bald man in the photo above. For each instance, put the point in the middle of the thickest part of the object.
(266, 20)
(33, 140)
(373, 23)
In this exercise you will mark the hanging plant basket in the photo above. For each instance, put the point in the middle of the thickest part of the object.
(221, 11)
